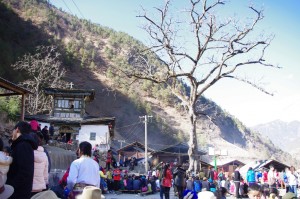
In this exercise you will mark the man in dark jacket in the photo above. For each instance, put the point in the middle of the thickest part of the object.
(179, 175)
(20, 174)
(45, 133)
(237, 181)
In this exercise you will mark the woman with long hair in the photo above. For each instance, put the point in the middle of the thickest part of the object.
(167, 180)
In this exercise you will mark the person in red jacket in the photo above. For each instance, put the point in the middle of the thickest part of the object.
(167, 180)
(265, 176)
(117, 178)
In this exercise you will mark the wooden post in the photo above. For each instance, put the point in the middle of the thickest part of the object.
(23, 107)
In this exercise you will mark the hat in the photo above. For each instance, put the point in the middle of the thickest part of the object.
(45, 194)
(91, 192)
(206, 195)
(289, 195)
(5, 190)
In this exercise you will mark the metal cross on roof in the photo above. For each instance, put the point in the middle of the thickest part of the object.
(71, 85)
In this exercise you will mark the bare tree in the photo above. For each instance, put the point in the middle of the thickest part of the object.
(42, 69)
(200, 50)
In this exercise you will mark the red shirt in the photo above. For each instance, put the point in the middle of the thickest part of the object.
(108, 157)
(117, 174)
(265, 176)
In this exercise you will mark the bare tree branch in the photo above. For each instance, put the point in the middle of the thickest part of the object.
(220, 48)
(44, 70)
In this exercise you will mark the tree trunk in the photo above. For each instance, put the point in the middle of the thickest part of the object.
(193, 146)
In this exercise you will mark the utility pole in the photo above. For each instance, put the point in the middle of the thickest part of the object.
(146, 142)
(121, 143)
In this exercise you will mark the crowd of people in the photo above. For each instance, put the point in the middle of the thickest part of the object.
(25, 167)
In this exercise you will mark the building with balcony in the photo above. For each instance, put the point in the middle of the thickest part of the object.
(70, 119)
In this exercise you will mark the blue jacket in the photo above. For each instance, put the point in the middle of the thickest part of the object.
(250, 176)
(137, 185)
(197, 186)
(129, 184)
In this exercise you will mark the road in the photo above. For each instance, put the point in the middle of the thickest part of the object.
(137, 196)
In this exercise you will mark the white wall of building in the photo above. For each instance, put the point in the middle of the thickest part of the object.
(101, 131)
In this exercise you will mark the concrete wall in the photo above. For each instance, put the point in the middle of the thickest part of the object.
(102, 134)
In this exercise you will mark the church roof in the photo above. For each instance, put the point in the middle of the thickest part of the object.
(70, 92)
(84, 120)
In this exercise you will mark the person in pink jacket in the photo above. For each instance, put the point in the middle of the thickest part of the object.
(40, 176)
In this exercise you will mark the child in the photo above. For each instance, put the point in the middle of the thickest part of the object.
(232, 187)
(189, 184)
(5, 162)
(205, 184)
(254, 191)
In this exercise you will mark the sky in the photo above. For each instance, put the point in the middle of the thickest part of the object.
(246, 103)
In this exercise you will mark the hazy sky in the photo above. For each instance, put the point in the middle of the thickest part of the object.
(244, 102)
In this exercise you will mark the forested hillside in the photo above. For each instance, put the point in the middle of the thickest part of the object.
(90, 53)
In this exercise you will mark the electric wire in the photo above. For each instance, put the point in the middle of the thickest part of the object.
(127, 126)
(132, 133)
(67, 7)
(78, 9)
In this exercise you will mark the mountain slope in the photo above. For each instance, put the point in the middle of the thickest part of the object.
(284, 134)
(90, 51)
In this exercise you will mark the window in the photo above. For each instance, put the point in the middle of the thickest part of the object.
(92, 136)
(62, 103)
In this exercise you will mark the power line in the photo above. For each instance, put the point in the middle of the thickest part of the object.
(132, 133)
(127, 125)
(68, 7)
(78, 10)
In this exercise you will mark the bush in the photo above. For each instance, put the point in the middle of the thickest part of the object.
(10, 106)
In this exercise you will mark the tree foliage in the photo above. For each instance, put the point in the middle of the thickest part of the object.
(10, 105)
(43, 69)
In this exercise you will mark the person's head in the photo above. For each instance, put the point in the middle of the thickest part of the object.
(166, 167)
(250, 168)
(274, 191)
(36, 137)
(265, 190)
(272, 167)
(21, 128)
(292, 169)
(287, 169)
(223, 191)
(85, 148)
(254, 191)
